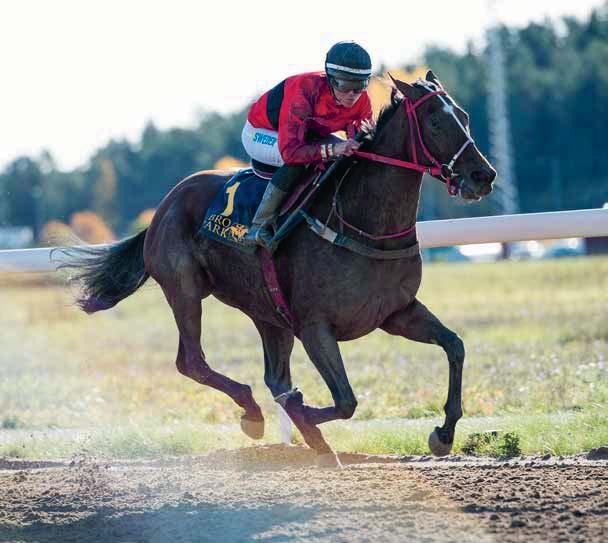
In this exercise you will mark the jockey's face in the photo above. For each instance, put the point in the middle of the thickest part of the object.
(347, 91)
(347, 98)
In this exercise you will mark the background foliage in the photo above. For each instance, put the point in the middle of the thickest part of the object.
(558, 103)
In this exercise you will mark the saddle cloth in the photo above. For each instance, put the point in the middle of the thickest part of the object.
(229, 217)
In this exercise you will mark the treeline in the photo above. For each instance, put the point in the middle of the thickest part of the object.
(557, 84)
(121, 179)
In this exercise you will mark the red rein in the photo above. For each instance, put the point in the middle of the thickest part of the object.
(436, 169)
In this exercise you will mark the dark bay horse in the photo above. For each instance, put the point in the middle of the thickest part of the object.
(334, 294)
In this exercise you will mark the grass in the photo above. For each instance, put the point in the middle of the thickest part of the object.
(555, 434)
(535, 333)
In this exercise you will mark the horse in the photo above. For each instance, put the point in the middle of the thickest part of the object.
(334, 293)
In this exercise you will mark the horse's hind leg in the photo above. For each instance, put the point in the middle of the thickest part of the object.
(184, 294)
(416, 322)
(278, 344)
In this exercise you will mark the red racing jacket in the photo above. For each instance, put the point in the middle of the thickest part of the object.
(302, 107)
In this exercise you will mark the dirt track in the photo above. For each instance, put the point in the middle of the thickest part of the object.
(276, 494)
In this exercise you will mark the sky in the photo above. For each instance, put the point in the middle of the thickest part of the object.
(76, 73)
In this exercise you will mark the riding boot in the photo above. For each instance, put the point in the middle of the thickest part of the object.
(281, 184)
(261, 226)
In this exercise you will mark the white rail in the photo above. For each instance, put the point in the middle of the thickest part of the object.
(584, 223)
(501, 228)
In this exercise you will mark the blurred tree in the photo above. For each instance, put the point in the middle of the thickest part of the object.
(89, 227)
(21, 191)
(557, 80)
(104, 191)
(228, 162)
(126, 166)
(57, 233)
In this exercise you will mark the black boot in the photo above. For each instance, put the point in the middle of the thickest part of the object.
(261, 226)
(282, 183)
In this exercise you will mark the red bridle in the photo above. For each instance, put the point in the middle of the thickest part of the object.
(442, 171)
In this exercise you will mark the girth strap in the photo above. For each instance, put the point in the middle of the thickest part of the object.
(348, 243)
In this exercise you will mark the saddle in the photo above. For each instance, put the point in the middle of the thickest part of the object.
(229, 217)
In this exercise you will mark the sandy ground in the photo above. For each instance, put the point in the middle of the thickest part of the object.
(277, 494)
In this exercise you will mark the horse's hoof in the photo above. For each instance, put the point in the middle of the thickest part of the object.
(253, 428)
(328, 460)
(438, 447)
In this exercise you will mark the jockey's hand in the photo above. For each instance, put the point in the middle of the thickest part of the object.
(346, 147)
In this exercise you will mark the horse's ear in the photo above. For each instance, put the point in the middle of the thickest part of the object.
(404, 88)
(430, 76)
(391, 83)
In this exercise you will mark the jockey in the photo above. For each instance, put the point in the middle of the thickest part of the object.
(291, 126)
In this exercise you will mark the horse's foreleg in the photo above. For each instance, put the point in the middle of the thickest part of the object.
(186, 306)
(417, 323)
(322, 348)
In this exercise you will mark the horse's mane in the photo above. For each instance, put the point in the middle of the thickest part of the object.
(372, 131)
(370, 134)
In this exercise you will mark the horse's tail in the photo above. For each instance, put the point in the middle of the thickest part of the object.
(106, 274)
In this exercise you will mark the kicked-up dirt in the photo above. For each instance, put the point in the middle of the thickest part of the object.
(278, 494)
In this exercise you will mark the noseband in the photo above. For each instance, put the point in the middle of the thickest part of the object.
(443, 172)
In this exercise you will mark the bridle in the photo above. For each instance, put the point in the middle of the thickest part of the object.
(443, 172)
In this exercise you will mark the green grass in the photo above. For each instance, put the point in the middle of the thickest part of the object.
(536, 336)
(555, 434)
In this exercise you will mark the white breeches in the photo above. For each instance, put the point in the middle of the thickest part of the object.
(262, 145)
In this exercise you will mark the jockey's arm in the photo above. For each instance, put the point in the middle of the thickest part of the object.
(295, 150)
(292, 132)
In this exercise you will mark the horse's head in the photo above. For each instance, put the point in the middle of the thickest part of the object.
(441, 130)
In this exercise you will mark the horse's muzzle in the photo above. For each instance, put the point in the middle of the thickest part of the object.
(484, 175)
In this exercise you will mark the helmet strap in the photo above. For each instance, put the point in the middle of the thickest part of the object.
(331, 86)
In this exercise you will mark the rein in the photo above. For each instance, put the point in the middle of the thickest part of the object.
(443, 172)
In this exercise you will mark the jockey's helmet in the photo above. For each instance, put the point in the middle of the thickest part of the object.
(348, 66)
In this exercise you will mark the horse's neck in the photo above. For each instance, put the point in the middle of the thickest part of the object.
(383, 199)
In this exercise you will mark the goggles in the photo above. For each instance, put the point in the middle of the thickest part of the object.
(348, 85)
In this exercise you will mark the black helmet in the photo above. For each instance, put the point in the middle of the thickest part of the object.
(348, 61)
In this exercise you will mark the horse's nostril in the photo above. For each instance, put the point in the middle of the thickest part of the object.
(484, 176)
(478, 176)
(485, 190)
